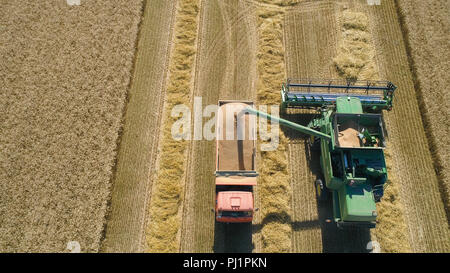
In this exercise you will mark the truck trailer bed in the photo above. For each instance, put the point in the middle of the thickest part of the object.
(235, 137)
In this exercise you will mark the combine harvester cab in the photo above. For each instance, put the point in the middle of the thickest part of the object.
(351, 138)
(235, 162)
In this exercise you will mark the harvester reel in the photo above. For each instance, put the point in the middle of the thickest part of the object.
(321, 93)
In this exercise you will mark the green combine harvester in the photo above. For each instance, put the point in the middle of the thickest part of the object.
(350, 134)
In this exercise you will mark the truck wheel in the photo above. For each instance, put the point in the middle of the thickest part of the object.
(321, 192)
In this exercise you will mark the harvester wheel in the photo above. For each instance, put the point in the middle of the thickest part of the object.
(314, 143)
(321, 192)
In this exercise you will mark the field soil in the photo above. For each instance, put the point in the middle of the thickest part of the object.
(136, 160)
(64, 76)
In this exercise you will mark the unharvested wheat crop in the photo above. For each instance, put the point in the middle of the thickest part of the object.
(64, 73)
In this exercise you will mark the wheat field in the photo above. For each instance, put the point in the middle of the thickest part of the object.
(138, 151)
(64, 77)
(86, 150)
(426, 28)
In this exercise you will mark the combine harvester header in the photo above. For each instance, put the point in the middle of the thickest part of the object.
(310, 93)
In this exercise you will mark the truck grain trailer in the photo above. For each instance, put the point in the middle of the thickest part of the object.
(348, 130)
(235, 162)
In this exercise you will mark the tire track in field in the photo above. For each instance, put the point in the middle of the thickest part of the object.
(225, 69)
(311, 43)
(137, 154)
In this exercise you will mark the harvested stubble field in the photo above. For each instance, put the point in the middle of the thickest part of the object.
(311, 37)
(412, 163)
(328, 40)
(136, 159)
(274, 189)
(225, 68)
(164, 189)
(64, 77)
(163, 231)
(315, 39)
(408, 156)
(426, 27)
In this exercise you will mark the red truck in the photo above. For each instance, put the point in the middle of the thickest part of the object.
(235, 162)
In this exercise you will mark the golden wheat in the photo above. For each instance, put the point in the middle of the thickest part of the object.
(64, 74)
(273, 186)
(426, 27)
(166, 197)
(355, 58)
